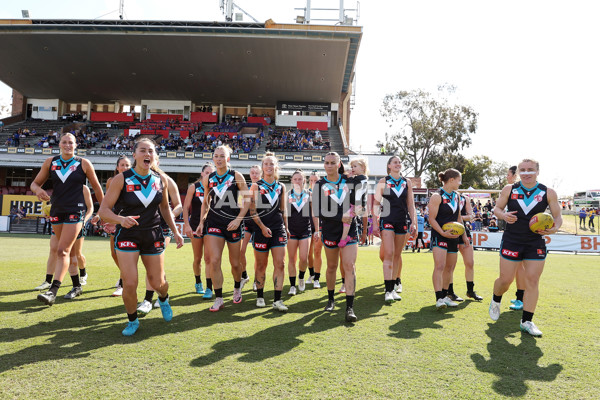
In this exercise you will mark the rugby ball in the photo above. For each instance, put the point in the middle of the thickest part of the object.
(541, 222)
(46, 208)
(455, 228)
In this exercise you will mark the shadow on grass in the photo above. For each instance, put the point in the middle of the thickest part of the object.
(513, 365)
(412, 323)
(284, 337)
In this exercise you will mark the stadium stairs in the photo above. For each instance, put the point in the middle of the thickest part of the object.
(25, 226)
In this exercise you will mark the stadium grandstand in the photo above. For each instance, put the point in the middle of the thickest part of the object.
(188, 85)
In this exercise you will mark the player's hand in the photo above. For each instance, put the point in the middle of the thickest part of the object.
(233, 225)
(266, 232)
(187, 230)
(510, 217)
(109, 228)
(179, 240)
(128, 222)
(199, 229)
(42, 195)
(448, 234)
(549, 231)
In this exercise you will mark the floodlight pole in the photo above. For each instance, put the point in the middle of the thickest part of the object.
(121, 8)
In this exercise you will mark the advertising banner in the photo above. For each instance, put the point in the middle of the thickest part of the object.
(33, 206)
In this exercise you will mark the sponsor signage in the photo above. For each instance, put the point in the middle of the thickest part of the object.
(33, 205)
(302, 106)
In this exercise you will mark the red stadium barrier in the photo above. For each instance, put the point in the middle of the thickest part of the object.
(311, 125)
(184, 134)
(163, 132)
(166, 117)
(110, 117)
(198, 116)
(147, 132)
(258, 120)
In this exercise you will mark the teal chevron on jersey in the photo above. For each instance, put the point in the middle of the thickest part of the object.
(270, 191)
(338, 195)
(298, 201)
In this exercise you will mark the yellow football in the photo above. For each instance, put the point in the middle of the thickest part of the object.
(455, 228)
(46, 209)
(541, 222)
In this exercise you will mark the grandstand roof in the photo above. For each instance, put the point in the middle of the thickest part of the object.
(231, 63)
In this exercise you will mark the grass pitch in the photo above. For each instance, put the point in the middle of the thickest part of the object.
(75, 349)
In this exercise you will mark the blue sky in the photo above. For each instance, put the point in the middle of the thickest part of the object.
(529, 68)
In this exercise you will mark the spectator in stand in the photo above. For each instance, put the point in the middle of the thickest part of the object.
(493, 226)
(477, 222)
(14, 214)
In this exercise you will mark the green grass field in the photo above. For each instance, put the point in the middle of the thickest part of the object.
(406, 350)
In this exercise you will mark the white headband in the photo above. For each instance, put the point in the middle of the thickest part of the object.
(527, 172)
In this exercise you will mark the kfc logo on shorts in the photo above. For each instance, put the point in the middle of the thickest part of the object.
(53, 219)
(158, 244)
(262, 246)
(127, 245)
(541, 252)
(508, 253)
(404, 227)
(443, 244)
(214, 230)
(388, 226)
(330, 243)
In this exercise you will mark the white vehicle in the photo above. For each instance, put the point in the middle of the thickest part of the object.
(586, 199)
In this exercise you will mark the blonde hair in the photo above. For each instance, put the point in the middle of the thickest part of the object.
(537, 164)
(363, 163)
(271, 155)
(225, 148)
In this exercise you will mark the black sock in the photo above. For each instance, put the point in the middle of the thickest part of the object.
(497, 299)
(389, 285)
(292, 281)
(398, 281)
(444, 293)
(82, 272)
(277, 295)
(311, 271)
(149, 294)
(49, 278)
(520, 293)
(219, 292)
(439, 295)
(198, 279)
(244, 274)
(260, 292)
(75, 280)
(451, 288)
(470, 286)
(132, 317)
(301, 274)
(55, 286)
(343, 280)
(527, 316)
(163, 299)
(209, 283)
(120, 282)
(317, 276)
(236, 285)
(349, 301)
(330, 294)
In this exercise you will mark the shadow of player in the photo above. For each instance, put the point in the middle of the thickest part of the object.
(513, 365)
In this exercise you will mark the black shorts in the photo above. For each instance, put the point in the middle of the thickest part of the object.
(149, 242)
(167, 232)
(194, 227)
(399, 227)
(437, 240)
(67, 218)
(218, 228)
(460, 238)
(297, 233)
(261, 243)
(518, 250)
(331, 237)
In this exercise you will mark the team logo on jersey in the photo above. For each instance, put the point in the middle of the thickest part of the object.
(219, 188)
(144, 190)
(298, 202)
(397, 186)
(530, 200)
(509, 253)
(450, 201)
(338, 195)
(64, 169)
(270, 192)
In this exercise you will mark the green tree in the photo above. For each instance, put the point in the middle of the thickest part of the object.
(478, 172)
(426, 128)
